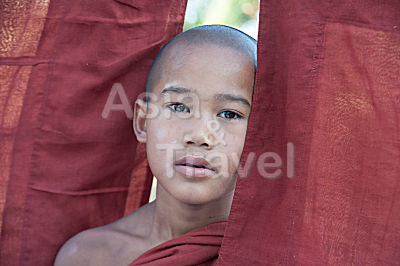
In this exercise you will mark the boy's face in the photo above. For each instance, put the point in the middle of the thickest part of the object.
(203, 99)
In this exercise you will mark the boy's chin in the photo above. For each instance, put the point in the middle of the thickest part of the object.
(196, 193)
(196, 198)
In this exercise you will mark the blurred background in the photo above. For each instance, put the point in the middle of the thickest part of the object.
(239, 14)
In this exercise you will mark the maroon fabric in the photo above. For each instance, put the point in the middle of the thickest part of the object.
(69, 168)
(328, 81)
(199, 247)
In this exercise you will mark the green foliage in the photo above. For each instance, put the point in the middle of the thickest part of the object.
(234, 13)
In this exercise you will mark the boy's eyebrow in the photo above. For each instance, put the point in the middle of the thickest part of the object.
(230, 97)
(175, 90)
(218, 97)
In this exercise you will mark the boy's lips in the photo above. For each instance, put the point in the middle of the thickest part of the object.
(194, 167)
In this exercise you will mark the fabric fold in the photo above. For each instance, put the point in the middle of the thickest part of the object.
(198, 247)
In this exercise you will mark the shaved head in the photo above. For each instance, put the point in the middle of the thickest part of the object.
(203, 36)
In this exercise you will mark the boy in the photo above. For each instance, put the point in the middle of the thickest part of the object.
(201, 85)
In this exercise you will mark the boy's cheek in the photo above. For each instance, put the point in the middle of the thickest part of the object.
(163, 131)
(235, 139)
(235, 130)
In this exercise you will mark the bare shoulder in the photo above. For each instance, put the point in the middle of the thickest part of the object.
(115, 244)
(86, 248)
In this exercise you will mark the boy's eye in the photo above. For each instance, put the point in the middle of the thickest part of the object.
(178, 107)
(229, 115)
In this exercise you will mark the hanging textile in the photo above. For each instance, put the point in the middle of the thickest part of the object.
(67, 162)
(326, 107)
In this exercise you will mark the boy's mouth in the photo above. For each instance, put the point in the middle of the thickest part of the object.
(194, 167)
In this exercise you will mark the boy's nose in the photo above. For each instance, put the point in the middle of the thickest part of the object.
(198, 136)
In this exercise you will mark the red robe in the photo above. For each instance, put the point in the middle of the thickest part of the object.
(198, 247)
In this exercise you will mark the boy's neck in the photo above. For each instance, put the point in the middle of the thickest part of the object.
(173, 218)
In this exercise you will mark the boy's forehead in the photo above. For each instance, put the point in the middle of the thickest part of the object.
(201, 48)
(208, 72)
(206, 63)
(182, 52)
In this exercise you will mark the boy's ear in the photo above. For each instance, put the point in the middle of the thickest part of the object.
(139, 120)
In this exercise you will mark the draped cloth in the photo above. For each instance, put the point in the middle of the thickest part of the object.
(198, 247)
(328, 82)
(65, 167)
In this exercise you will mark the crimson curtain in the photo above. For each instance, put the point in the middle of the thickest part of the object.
(64, 168)
(328, 81)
